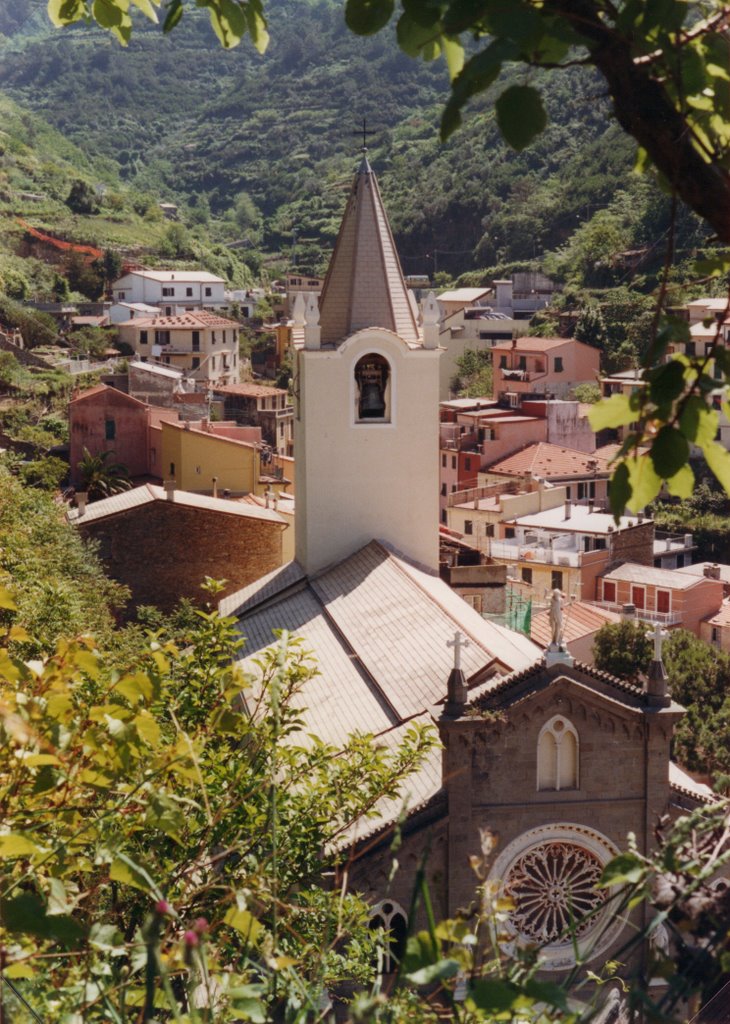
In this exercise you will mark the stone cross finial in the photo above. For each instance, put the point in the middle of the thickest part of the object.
(458, 643)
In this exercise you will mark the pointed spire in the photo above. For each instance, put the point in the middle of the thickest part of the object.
(364, 286)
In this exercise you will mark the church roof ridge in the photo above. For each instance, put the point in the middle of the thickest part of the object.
(364, 286)
(486, 698)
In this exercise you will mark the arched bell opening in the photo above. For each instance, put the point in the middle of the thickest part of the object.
(372, 397)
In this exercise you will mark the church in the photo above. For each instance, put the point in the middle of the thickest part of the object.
(557, 761)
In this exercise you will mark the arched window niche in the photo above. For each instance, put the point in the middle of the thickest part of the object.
(557, 755)
(373, 389)
(391, 919)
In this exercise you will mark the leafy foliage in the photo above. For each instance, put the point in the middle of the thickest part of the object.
(101, 476)
(474, 374)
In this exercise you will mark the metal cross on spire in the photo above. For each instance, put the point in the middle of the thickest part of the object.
(364, 131)
(459, 642)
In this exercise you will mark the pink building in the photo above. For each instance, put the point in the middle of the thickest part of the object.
(544, 366)
(669, 596)
(105, 419)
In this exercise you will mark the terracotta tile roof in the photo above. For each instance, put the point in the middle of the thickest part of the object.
(100, 389)
(364, 286)
(526, 344)
(248, 390)
(579, 619)
(671, 579)
(182, 321)
(721, 617)
(684, 783)
(551, 462)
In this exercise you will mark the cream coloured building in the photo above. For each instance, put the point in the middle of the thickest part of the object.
(202, 344)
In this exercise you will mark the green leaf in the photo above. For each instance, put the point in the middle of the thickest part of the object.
(546, 992)
(228, 21)
(626, 868)
(619, 490)
(245, 924)
(669, 452)
(718, 459)
(6, 600)
(147, 8)
(58, 901)
(453, 51)
(644, 480)
(365, 17)
(174, 14)
(413, 36)
(697, 422)
(109, 13)
(434, 972)
(682, 484)
(667, 382)
(13, 845)
(166, 815)
(135, 688)
(126, 871)
(520, 115)
(491, 995)
(64, 12)
(616, 411)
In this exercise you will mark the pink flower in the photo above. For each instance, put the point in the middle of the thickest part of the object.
(201, 926)
(190, 938)
(163, 907)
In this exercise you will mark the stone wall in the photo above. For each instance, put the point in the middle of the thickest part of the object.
(163, 551)
(634, 545)
(24, 357)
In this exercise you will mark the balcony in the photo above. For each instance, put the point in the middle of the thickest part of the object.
(546, 555)
(643, 614)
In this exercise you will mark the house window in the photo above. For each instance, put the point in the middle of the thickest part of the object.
(443, 490)
(557, 755)
(162, 337)
(189, 292)
(489, 529)
(522, 363)
(196, 362)
(663, 601)
(467, 464)
(453, 462)
(121, 296)
(373, 388)
(196, 341)
(443, 461)
(526, 575)
(468, 526)
(556, 579)
(443, 515)
(143, 337)
(168, 293)
(208, 292)
(609, 591)
(212, 337)
(558, 364)
(638, 597)
(503, 362)
(509, 532)
(715, 635)
(390, 918)
(110, 430)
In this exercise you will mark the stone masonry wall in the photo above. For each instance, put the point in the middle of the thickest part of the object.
(634, 545)
(164, 551)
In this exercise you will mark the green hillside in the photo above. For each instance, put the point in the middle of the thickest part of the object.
(259, 150)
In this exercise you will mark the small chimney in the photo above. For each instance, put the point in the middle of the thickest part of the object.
(640, 516)
(82, 497)
(215, 486)
(628, 612)
(568, 509)
(591, 505)
(688, 540)
(712, 572)
(169, 486)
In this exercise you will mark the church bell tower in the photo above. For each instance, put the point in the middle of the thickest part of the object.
(366, 385)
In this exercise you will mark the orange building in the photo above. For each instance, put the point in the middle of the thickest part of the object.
(545, 366)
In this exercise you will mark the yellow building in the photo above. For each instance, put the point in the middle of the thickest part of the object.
(199, 459)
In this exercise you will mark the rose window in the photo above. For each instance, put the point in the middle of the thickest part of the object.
(553, 887)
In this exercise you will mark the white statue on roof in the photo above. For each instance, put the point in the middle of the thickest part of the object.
(556, 618)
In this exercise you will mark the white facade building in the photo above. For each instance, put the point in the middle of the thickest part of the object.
(174, 291)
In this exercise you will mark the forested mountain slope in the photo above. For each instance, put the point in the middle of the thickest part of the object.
(182, 119)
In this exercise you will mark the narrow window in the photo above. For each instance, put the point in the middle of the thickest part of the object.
(110, 430)
(558, 364)
(391, 919)
(663, 601)
(196, 341)
(189, 292)
(556, 581)
(196, 362)
(609, 591)
(557, 755)
(468, 526)
(526, 575)
(208, 292)
(143, 337)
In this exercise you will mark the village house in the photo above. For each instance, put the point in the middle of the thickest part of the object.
(105, 419)
(544, 366)
(172, 290)
(475, 513)
(213, 458)
(667, 596)
(266, 407)
(202, 344)
(585, 476)
(185, 537)
(568, 547)
(715, 629)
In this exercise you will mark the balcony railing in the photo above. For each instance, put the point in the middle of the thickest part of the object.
(643, 614)
(535, 553)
